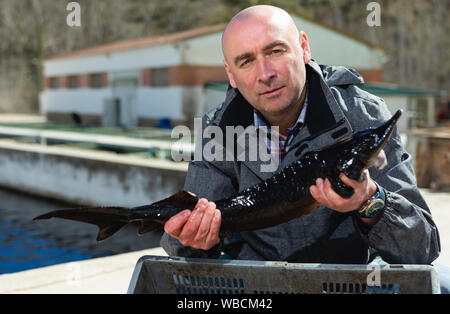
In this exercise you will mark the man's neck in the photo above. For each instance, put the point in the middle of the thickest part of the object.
(288, 119)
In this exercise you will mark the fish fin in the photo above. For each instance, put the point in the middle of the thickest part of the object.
(108, 219)
(182, 199)
(109, 230)
(148, 226)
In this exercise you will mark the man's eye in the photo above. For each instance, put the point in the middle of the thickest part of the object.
(277, 51)
(245, 62)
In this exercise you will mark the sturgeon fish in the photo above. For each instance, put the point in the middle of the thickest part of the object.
(281, 198)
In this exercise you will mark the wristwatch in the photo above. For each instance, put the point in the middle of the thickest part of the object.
(374, 206)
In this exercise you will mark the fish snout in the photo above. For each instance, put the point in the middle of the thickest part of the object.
(370, 143)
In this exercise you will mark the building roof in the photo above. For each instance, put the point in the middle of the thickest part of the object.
(141, 42)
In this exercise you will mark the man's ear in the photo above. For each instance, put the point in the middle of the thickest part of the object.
(305, 47)
(229, 74)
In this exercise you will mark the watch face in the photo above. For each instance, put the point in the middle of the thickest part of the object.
(374, 208)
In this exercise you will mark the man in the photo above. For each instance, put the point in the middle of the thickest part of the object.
(274, 82)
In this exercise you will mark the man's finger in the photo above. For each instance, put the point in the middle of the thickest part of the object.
(205, 224)
(322, 191)
(314, 192)
(174, 225)
(329, 194)
(213, 235)
(366, 175)
(190, 229)
(317, 192)
(354, 183)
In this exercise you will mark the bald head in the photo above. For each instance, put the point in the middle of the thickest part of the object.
(261, 11)
(265, 57)
(264, 14)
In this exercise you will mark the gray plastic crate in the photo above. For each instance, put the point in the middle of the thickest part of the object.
(177, 275)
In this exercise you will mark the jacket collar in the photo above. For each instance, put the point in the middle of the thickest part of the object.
(325, 122)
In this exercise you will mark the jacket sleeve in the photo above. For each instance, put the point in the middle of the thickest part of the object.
(205, 180)
(405, 233)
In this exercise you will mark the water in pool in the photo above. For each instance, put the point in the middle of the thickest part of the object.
(27, 244)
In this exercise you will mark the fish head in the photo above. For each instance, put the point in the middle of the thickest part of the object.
(352, 155)
(367, 145)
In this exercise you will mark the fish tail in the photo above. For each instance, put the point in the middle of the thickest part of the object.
(108, 219)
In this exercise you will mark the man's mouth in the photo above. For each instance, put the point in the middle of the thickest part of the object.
(272, 92)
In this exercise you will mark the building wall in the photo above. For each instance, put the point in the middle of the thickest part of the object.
(181, 100)
(204, 50)
(160, 102)
(333, 48)
(180, 104)
(82, 100)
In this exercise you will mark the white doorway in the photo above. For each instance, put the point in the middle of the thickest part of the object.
(125, 86)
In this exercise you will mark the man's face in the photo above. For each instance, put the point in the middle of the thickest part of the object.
(265, 61)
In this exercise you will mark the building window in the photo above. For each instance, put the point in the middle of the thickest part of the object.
(160, 77)
(96, 80)
(74, 81)
(54, 82)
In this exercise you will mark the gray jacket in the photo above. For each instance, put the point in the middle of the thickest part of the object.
(405, 233)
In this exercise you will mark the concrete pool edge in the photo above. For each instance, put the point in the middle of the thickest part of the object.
(103, 275)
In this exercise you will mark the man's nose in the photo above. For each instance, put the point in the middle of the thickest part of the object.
(266, 72)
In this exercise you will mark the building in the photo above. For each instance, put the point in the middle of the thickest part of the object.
(142, 81)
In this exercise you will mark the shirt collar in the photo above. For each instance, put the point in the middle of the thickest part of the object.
(260, 121)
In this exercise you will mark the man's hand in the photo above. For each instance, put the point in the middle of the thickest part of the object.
(198, 229)
(324, 194)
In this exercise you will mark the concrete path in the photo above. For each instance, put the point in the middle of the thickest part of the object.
(110, 274)
(439, 203)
